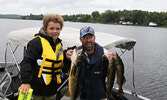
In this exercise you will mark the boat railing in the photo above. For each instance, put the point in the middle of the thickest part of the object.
(5, 82)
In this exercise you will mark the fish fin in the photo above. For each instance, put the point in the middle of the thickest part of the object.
(67, 94)
(120, 93)
(111, 96)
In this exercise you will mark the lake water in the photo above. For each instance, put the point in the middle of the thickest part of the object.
(150, 53)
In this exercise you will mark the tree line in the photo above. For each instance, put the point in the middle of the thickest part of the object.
(136, 17)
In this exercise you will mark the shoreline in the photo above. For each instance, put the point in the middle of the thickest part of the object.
(97, 23)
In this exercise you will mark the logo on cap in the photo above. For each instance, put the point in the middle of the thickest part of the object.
(86, 30)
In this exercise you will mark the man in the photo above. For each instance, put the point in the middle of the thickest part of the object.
(94, 68)
(91, 83)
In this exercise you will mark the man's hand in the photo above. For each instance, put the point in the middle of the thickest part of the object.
(69, 54)
(110, 55)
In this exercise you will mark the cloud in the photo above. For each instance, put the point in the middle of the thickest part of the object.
(77, 6)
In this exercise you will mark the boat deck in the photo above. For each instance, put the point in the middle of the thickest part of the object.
(15, 83)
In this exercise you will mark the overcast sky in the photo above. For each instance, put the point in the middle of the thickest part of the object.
(69, 7)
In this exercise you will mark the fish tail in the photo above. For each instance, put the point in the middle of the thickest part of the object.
(111, 96)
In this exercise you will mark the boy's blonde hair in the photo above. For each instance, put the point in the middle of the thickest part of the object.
(52, 17)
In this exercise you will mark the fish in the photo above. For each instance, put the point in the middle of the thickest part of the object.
(115, 67)
(120, 73)
(110, 73)
(74, 73)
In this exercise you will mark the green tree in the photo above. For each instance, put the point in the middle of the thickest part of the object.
(66, 18)
(74, 18)
(95, 16)
(136, 16)
(85, 18)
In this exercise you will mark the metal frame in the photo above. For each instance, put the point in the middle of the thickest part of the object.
(14, 57)
(8, 74)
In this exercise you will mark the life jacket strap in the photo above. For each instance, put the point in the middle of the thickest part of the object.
(55, 73)
(52, 68)
(53, 61)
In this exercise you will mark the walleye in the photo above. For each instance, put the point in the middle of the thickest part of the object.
(120, 73)
(110, 72)
(74, 74)
(115, 66)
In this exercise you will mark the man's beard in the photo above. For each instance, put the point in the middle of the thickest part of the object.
(88, 49)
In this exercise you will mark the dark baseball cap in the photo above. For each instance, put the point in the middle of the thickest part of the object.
(86, 30)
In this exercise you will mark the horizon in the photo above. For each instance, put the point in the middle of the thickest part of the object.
(82, 13)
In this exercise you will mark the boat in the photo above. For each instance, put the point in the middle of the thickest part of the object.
(153, 24)
(9, 71)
